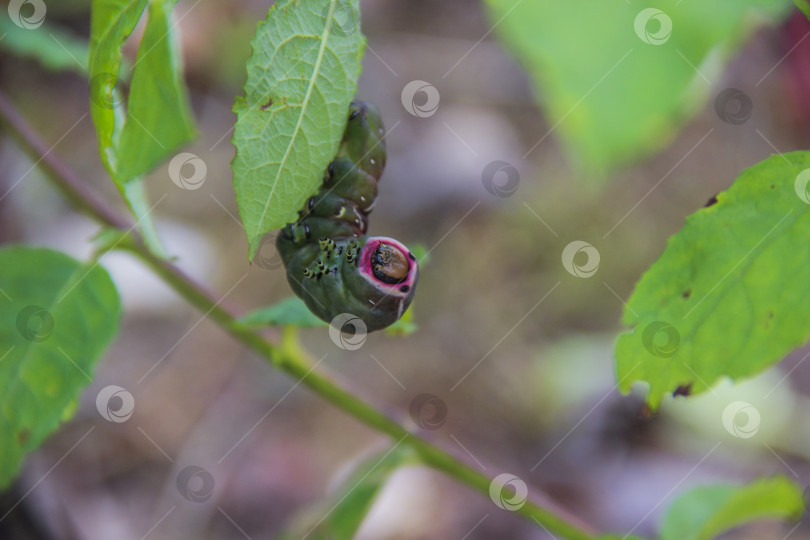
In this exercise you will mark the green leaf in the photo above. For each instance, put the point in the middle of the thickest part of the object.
(340, 516)
(301, 77)
(804, 6)
(706, 512)
(111, 22)
(291, 311)
(55, 48)
(726, 298)
(404, 326)
(57, 316)
(580, 55)
(158, 116)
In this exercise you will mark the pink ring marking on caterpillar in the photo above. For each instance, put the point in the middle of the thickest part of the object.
(366, 266)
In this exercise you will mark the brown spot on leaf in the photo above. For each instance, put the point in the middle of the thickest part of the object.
(711, 202)
(267, 105)
(687, 293)
(683, 390)
(23, 436)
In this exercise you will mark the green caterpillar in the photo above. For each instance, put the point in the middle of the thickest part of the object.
(330, 262)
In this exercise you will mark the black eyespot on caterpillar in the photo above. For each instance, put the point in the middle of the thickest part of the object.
(331, 264)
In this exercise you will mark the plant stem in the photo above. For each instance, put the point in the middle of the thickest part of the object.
(287, 357)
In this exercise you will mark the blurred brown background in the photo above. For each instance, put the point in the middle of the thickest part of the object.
(528, 391)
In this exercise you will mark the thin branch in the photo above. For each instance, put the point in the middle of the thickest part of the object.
(288, 356)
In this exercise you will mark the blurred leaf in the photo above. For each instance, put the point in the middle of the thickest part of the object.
(422, 254)
(293, 311)
(339, 517)
(615, 80)
(158, 117)
(301, 77)
(57, 316)
(404, 326)
(54, 48)
(804, 6)
(706, 512)
(727, 297)
(111, 22)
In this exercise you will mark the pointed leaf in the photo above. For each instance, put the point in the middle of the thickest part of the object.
(57, 316)
(157, 118)
(726, 298)
(301, 77)
(706, 512)
(340, 516)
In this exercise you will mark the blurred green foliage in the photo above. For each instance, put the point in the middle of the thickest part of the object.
(724, 299)
(56, 318)
(707, 512)
(617, 80)
(301, 77)
(157, 117)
